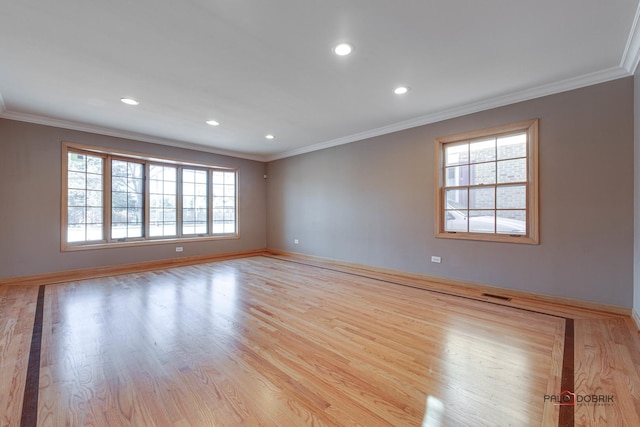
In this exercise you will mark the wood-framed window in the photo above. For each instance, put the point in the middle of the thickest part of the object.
(112, 198)
(487, 184)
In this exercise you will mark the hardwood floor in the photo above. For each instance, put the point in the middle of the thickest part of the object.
(268, 341)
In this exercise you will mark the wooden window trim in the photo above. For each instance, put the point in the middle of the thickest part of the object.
(532, 216)
(107, 242)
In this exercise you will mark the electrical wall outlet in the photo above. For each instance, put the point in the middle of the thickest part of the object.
(179, 249)
(296, 241)
(436, 259)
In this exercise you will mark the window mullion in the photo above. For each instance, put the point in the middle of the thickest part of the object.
(147, 201)
(106, 223)
(179, 195)
(210, 202)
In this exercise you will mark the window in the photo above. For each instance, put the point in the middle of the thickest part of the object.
(487, 184)
(112, 198)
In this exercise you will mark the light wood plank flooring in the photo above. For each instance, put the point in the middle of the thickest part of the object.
(268, 341)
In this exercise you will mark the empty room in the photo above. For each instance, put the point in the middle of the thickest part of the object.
(223, 213)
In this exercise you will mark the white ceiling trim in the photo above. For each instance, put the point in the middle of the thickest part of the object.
(631, 55)
(549, 89)
(66, 124)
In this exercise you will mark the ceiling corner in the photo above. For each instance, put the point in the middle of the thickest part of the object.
(631, 55)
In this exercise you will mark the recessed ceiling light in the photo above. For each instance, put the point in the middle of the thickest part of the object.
(343, 49)
(401, 90)
(129, 101)
(212, 123)
(270, 136)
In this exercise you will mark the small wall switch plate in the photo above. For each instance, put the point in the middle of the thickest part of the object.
(436, 259)
(179, 249)
(296, 241)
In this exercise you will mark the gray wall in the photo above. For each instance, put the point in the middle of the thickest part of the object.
(30, 176)
(636, 180)
(372, 201)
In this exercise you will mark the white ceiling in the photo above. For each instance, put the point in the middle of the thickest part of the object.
(263, 67)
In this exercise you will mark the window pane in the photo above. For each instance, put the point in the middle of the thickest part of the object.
(229, 227)
(118, 230)
(229, 214)
(457, 176)
(94, 199)
(156, 201)
(76, 198)
(94, 182)
(201, 189)
(170, 187)
(482, 221)
(218, 177)
(94, 231)
(94, 215)
(76, 215)
(169, 174)
(512, 171)
(224, 203)
(201, 177)
(201, 214)
(169, 229)
(194, 201)
(483, 173)
(127, 199)
(94, 165)
(134, 216)
(455, 220)
(218, 190)
(170, 215)
(162, 200)
(119, 184)
(511, 222)
(76, 233)
(77, 180)
(84, 197)
(456, 199)
(482, 198)
(77, 162)
(156, 229)
(118, 168)
(512, 197)
(483, 151)
(134, 230)
(512, 146)
(456, 154)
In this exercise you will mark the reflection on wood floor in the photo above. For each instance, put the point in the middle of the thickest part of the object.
(267, 341)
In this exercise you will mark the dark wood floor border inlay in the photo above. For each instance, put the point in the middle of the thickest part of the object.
(566, 418)
(30, 400)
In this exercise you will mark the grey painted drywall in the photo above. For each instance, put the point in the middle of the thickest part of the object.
(372, 201)
(636, 189)
(30, 175)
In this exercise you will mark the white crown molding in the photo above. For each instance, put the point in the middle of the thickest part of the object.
(549, 89)
(487, 104)
(66, 124)
(631, 55)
